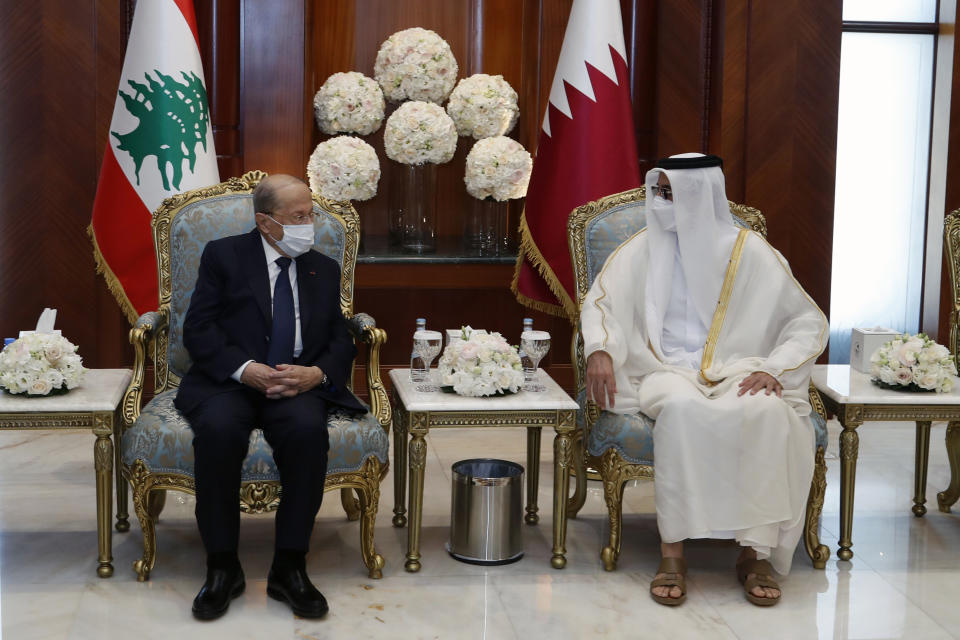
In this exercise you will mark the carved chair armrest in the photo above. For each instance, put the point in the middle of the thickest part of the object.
(364, 329)
(143, 337)
(816, 402)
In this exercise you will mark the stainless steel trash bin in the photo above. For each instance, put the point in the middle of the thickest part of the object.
(486, 512)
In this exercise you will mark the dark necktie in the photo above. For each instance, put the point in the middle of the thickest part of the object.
(283, 334)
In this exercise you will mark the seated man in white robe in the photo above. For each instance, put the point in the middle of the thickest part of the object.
(701, 326)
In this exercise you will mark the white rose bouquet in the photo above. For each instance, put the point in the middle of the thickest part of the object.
(480, 364)
(483, 106)
(498, 168)
(420, 132)
(349, 103)
(913, 363)
(40, 364)
(344, 168)
(415, 64)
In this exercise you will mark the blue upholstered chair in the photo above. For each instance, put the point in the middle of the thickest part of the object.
(620, 447)
(157, 450)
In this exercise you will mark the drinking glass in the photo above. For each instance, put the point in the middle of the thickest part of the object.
(427, 345)
(535, 344)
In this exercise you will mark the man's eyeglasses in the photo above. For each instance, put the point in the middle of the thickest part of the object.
(297, 218)
(664, 191)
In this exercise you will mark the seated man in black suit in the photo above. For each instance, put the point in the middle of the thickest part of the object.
(270, 349)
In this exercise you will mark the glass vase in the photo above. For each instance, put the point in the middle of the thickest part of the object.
(417, 198)
(481, 227)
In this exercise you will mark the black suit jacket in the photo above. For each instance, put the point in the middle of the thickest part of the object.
(230, 318)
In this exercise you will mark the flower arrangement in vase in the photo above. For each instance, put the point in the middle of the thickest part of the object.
(497, 169)
(480, 364)
(344, 168)
(913, 363)
(349, 103)
(415, 64)
(40, 364)
(483, 106)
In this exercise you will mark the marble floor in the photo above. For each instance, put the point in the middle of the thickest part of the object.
(902, 583)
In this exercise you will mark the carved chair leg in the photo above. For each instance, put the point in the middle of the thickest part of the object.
(369, 501)
(140, 485)
(613, 486)
(579, 497)
(947, 497)
(819, 553)
(156, 499)
(350, 504)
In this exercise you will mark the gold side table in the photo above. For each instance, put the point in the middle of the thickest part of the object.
(93, 405)
(415, 413)
(854, 399)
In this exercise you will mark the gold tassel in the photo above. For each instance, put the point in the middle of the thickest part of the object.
(528, 251)
(113, 284)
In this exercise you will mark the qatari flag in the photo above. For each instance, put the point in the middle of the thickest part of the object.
(587, 150)
(160, 143)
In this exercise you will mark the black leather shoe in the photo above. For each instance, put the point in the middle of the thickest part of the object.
(222, 586)
(293, 586)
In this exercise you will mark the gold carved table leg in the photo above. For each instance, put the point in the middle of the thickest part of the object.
(850, 419)
(103, 465)
(920, 468)
(563, 450)
(123, 522)
(947, 497)
(533, 474)
(399, 463)
(418, 458)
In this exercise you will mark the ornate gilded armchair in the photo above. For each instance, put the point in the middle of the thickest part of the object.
(620, 447)
(157, 450)
(951, 245)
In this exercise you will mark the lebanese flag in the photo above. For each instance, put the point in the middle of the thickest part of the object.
(587, 150)
(160, 144)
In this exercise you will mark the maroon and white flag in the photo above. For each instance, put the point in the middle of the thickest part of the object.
(587, 149)
(160, 144)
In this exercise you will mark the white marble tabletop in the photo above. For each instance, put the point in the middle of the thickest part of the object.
(553, 397)
(100, 390)
(846, 385)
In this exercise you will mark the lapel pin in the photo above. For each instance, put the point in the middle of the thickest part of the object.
(313, 273)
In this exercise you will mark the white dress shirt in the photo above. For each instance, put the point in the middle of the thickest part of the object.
(273, 271)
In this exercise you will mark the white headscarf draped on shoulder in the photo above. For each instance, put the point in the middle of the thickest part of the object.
(699, 226)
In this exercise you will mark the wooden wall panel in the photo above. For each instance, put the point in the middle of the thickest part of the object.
(790, 159)
(59, 64)
(273, 83)
(218, 25)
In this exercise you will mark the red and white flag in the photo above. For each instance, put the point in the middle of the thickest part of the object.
(587, 150)
(160, 143)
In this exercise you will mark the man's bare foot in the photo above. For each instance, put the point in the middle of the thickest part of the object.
(672, 550)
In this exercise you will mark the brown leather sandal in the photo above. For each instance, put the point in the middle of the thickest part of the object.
(675, 575)
(763, 578)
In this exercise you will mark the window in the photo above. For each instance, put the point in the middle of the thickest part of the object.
(883, 151)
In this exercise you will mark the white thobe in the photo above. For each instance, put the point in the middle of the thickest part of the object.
(727, 466)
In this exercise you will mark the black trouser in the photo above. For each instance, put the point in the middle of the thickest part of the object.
(296, 429)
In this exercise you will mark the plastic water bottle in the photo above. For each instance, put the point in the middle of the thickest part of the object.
(529, 371)
(418, 368)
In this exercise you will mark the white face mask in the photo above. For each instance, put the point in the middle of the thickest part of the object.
(297, 238)
(662, 210)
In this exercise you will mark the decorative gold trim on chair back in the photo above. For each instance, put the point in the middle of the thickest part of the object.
(164, 217)
(951, 244)
(577, 225)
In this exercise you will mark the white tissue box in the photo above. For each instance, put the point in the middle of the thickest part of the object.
(55, 332)
(864, 343)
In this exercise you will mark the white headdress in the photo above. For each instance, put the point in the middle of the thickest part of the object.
(701, 230)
